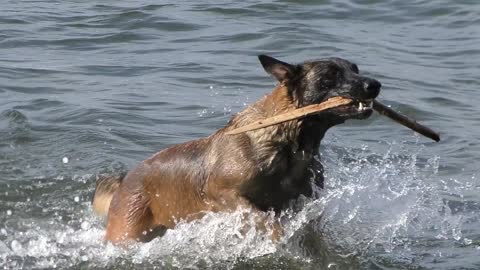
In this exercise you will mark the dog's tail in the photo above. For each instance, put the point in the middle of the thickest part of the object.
(106, 186)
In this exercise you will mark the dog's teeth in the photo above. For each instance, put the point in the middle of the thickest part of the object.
(360, 106)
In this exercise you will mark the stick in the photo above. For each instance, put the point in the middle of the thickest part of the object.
(406, 121)
(295, 114)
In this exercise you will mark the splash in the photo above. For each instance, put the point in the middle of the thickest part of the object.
(216, 239)
(389, 205)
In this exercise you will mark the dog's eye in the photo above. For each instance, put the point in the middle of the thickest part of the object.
(355, 68)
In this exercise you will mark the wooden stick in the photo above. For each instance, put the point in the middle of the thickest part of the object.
(406, 121)
(295, 114)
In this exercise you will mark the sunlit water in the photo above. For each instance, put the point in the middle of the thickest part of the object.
(88, 88)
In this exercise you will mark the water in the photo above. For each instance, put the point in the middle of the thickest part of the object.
(89, 87)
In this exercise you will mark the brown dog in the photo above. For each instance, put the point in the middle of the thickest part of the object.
(261, 169)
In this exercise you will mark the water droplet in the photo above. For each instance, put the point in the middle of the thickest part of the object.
(16, 246)
(9, 212)
(65, 160)
(3, 231)
(85, 225)
(76, 199)
(331, 265)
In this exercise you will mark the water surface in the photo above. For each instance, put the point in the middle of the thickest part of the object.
(106, 84)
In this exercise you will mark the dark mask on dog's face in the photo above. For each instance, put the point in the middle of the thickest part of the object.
(313, 82)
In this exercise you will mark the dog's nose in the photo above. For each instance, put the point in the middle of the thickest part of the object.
(372, 88)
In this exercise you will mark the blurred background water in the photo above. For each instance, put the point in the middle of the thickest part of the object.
(89, 87)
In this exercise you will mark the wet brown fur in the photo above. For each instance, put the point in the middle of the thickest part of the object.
(261, 169)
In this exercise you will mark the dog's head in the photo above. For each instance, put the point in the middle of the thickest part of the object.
(313, 82)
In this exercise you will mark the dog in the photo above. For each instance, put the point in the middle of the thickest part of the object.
(262, 170)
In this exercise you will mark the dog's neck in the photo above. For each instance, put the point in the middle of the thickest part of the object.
(276, 102)
(298, 136)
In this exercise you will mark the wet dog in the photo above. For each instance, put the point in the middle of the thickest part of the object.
(262, 169)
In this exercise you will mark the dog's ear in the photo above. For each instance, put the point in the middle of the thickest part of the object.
(280, 70)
